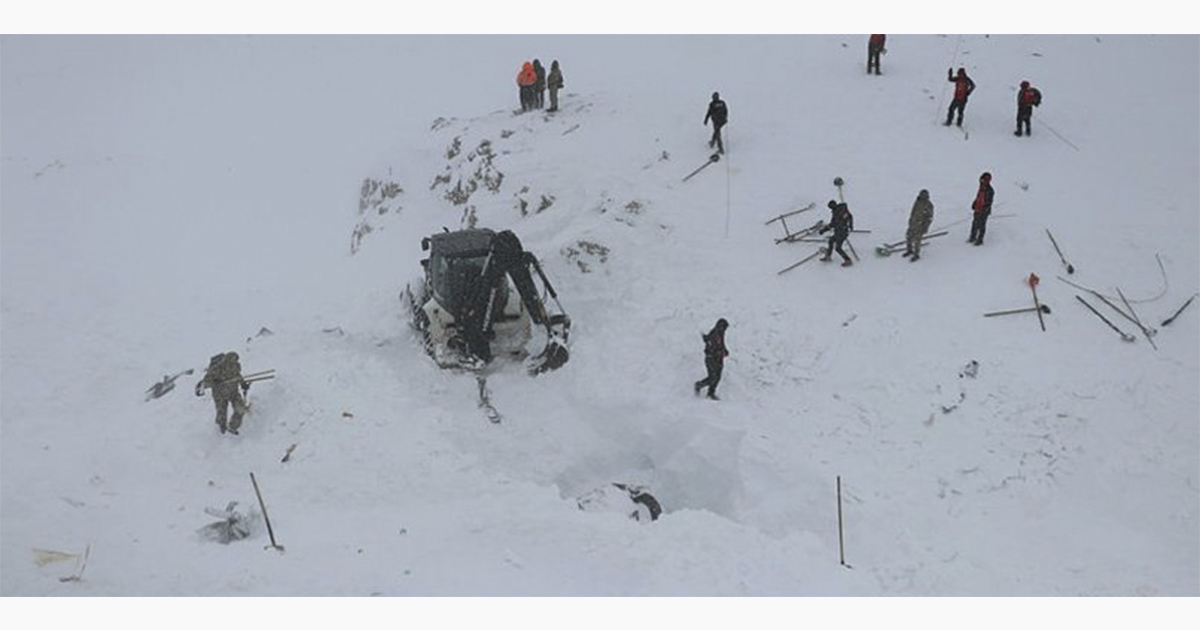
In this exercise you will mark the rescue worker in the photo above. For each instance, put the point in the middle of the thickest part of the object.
(719, 114)
(918, 224)
(224, 378)
(1027, 98)
(841, 222)
(874, 49)
(555, 82)
(714, 358)
(526, 79)
(982, 207)
(539, 86)
(963, 86)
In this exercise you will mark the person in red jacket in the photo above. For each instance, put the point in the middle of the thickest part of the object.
(963, 86)
(526, 79)
(982, 208)
(1027, 98)
(714, 358)
(874, 49)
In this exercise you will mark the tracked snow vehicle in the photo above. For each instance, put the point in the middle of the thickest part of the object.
(478, 300)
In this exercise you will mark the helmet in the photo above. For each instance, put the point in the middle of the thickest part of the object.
(924, 194)
(722, 324)
(986, 176)
(716, 96)
(832, 204)
(1024, 84)
(962, 71)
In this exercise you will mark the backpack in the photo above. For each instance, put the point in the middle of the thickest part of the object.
(223, 366)
(1032, 97)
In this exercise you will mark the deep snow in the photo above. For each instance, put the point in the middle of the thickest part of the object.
(165, 199)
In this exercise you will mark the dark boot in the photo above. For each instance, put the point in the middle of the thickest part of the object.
(698, 386)
(847, 262)
(907, 253)
(915, 258)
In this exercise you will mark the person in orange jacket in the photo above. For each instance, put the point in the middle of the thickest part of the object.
(526, 79)
(1028, 98)
(981, 208)
(963, 86)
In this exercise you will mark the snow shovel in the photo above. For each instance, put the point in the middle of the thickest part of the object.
(1033, 282)
(713, 158)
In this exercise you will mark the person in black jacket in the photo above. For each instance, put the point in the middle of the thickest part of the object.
(719, 113)
(982, 208)
(539, 86)
(841, 222)
(714, 358)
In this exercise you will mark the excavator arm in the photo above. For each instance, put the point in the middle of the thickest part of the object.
(506, 257)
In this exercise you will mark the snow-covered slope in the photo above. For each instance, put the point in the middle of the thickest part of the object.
(1068, 465)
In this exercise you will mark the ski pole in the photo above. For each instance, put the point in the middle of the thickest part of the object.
(781, 217)
(1028, 309)
(1167, 321)
(802, 261)
(1033, 282)
(1070, 268)
(887, 249)
(1124, 336)
(1114, 307)
(1149, 332)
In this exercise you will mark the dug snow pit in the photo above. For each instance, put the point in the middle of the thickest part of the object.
(634, 502)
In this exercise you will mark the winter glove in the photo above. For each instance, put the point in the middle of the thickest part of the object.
(245, 387)
(200, 388)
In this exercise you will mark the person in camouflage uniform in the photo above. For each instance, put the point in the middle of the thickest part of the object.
(555, 82)
(224, 378)
(918, 224)
(539, 86)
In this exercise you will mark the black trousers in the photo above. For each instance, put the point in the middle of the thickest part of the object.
(835, 244)
(958, 105)
(873, 59)
(979, 226)
(716, 138)
(714, 366)
(1024, 114)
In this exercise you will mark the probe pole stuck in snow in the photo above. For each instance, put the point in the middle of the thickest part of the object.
(841, 538)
